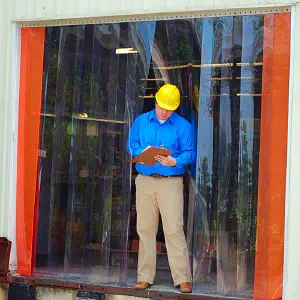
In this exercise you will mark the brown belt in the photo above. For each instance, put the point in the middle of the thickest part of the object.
(162, 176)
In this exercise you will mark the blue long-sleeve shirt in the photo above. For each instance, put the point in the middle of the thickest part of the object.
(175, 134)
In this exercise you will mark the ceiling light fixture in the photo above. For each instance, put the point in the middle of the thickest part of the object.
(126, 51)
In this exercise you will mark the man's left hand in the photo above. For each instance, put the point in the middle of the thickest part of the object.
(168, 161)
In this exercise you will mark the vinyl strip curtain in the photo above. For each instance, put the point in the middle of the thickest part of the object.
(84, 225)
(90, 100)
(228, 152)
(95, 98)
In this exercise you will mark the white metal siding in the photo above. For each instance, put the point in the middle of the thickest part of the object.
(291, 287)
(61, 9)
(5, 69)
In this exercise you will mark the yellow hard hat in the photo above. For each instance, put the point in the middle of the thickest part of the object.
(168, 97)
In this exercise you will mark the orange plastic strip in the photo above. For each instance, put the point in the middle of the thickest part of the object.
(32, 56)
(273, 151)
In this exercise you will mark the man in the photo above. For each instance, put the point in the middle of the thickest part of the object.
(159, 188)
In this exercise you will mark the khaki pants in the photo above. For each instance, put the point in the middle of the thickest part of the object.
(165, 195)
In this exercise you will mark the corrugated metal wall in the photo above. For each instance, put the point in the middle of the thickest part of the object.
(5, 75)
(60, 9)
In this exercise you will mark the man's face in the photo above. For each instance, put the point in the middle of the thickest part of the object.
(161, 113)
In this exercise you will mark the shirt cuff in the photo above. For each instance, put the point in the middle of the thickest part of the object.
(179, 162)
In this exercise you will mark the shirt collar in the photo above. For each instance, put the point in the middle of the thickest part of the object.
(152, 116)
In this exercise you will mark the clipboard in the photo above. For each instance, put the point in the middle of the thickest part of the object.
(148, 156)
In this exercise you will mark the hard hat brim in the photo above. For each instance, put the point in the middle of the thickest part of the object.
(166, 106)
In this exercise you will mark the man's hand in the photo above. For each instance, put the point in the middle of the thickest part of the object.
(168, 161)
